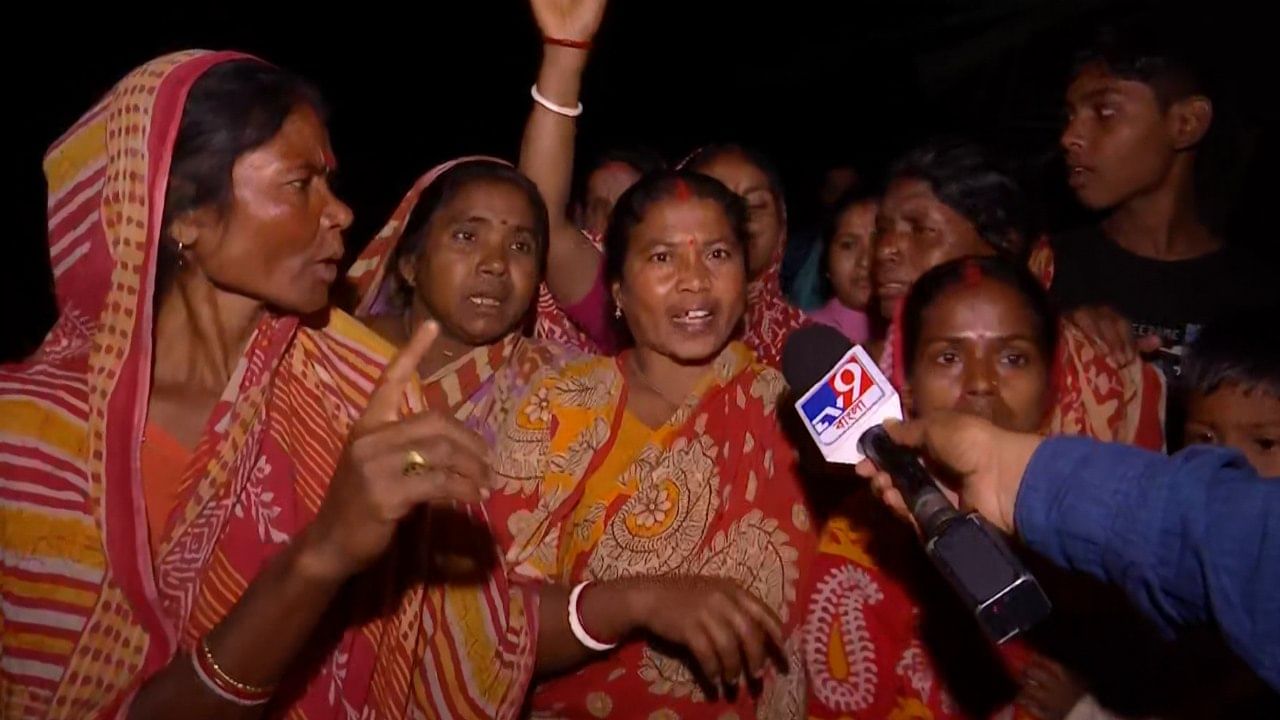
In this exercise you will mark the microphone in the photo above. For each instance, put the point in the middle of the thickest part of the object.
(845, 401)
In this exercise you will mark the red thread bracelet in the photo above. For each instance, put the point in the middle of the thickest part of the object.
(566, 42)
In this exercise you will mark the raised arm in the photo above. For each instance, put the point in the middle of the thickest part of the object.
(546, 152)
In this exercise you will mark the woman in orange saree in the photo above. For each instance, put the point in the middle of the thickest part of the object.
(664, 471)
(186, 525)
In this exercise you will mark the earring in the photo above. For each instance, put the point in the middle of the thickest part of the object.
(617, 313)
(182, 254)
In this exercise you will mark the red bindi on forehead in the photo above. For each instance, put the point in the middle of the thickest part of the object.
(972, 273)
(682, 190)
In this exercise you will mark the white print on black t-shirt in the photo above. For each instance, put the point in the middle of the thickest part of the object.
(1173, 345)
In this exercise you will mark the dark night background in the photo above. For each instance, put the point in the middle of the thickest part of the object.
(811, 83)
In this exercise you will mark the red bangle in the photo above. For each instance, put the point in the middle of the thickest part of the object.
(566, 42)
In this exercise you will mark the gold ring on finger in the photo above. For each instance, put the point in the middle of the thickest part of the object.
(414, 463)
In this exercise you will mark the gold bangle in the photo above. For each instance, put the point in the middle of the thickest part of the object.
(222, 677)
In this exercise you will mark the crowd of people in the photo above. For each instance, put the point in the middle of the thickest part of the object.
(542, 464)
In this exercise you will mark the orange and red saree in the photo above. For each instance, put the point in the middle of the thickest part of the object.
(711, 492)
(89, 611)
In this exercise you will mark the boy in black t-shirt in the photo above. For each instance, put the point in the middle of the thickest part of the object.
(1152, 269)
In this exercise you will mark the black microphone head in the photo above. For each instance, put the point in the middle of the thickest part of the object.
(810, 352)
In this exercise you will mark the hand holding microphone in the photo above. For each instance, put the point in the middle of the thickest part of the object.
(987, 461)
(845, 408)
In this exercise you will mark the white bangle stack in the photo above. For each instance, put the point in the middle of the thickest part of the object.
(575, 622)
(569, 112)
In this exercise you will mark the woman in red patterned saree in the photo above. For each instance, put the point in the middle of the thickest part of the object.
(200, 474)
(660, 483)
(884, 636)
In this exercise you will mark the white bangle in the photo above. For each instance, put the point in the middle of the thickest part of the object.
(569, 112)
(575, 622)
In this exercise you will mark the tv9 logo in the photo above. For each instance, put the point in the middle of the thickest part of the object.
(846, 393)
